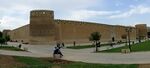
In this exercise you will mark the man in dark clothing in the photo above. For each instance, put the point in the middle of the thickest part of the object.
(74, 43)
(98, 44)
(58, 45)
(57, 51)
(20, 45)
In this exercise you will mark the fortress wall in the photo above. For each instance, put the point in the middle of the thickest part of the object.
(20, 34)
(121, 30)
(80, 31)
(133, 34)
(148, 29)
(42, 40)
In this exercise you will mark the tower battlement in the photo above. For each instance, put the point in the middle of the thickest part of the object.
(42, 13)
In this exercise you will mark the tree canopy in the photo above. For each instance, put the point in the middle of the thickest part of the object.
(4, 38)
(1, 34)
(95, 36)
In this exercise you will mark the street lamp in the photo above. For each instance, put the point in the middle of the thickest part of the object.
(139, 36)
(128, 30)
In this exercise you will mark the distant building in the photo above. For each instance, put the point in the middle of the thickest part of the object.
(44, 29)
(141, 31)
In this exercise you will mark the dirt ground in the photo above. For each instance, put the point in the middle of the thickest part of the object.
(9, 62)
(144, 65)
(56, 61)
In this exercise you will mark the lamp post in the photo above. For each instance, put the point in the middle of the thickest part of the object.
(128, 30)
(139, 36)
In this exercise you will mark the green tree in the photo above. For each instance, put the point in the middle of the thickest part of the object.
(2, 41)
(4, 38)
(95, 37)
(7, 37)
(1, 34)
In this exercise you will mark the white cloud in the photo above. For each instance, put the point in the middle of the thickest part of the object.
(11, 22)
(86, 14)
(133, 11)
(16, 12)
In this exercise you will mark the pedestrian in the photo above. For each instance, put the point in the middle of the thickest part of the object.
(57, 51)
(74, 43)
(133, 42)
(58, 45)
(98, 44)
(19, 45)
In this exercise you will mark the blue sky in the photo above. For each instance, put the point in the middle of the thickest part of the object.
(15, 13)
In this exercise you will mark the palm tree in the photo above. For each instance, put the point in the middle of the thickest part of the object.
(95, 37)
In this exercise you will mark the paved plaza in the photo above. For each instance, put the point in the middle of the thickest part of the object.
(83, 55)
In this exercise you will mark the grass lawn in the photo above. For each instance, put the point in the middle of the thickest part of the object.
(85, 46)
(51, 63)
(10, 48)
(144, 46)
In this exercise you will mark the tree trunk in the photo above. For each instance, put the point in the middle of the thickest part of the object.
(96, 47)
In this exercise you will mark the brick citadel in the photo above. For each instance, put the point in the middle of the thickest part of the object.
(44, 29)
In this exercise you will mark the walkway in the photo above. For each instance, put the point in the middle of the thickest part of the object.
(21, 53)
(84, 55)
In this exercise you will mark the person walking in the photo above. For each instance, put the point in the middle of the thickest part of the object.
(19, 45)
(57, 51)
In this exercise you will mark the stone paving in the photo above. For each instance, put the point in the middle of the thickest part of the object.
(21, 53)
(84, 55)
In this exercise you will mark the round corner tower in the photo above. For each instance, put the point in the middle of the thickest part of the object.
(42, 26)
(141, 31)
